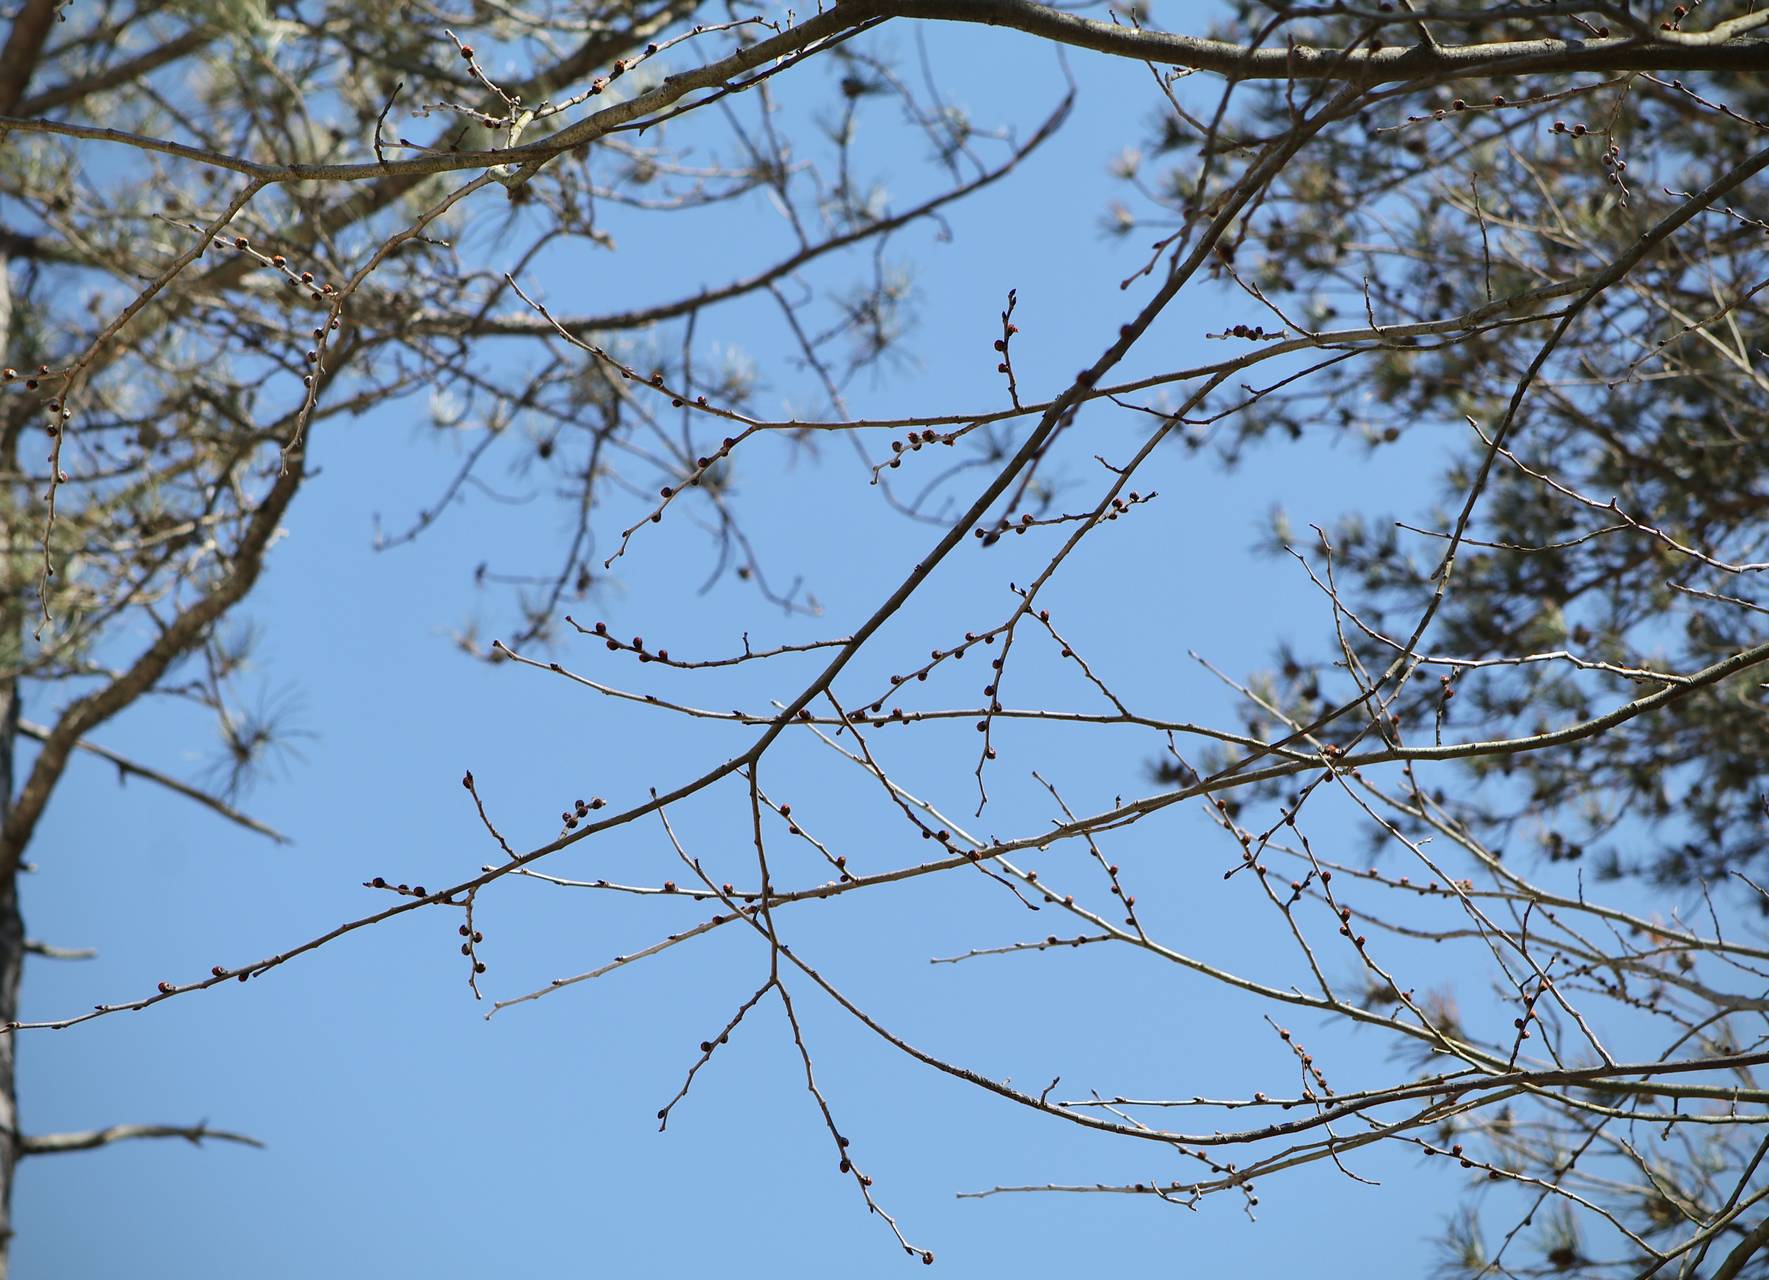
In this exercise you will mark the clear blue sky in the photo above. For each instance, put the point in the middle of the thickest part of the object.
(407, 1136)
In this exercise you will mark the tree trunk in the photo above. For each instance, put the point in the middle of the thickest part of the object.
(12, 957)
(23, 48)
(12, 928)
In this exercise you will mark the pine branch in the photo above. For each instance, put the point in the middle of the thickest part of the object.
(130, 768)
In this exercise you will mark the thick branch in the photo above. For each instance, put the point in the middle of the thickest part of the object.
(111, 77)
(1351, 66)
(392, 178)
(24, 45)
(1746, 1249)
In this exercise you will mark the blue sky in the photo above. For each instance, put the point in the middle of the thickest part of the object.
(407, 1135)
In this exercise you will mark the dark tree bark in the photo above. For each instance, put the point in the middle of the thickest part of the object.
(12, 928)
(18, 58)
(12, 955)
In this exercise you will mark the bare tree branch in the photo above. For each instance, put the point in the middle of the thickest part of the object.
(50, 1144)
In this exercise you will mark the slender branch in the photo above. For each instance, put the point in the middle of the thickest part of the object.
(51, 1144)
(181, 634)
(50, 952)
(131, 768)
